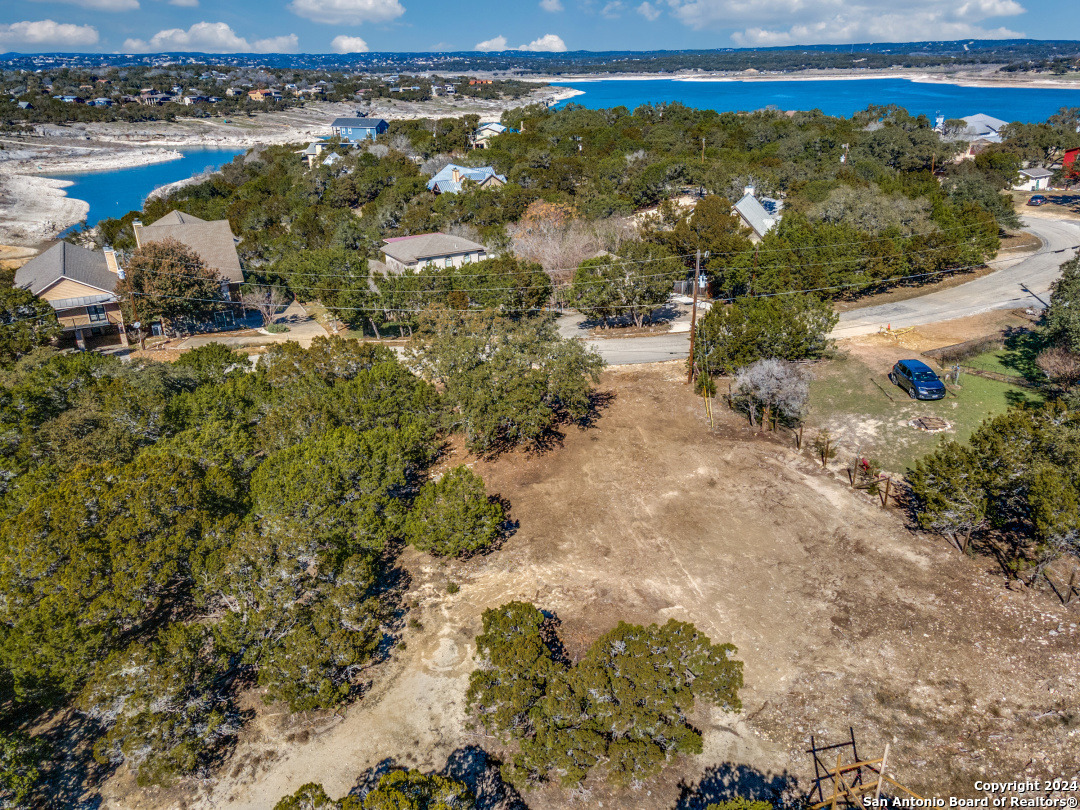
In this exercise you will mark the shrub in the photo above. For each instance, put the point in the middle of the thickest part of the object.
(277, 328)
(776, 388)
(453, 515)
(789, 327)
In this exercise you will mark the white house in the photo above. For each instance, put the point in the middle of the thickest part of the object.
(483, 135)
(1034, 179)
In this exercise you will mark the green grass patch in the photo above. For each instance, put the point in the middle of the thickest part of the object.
(869, 415)
(1017, 358)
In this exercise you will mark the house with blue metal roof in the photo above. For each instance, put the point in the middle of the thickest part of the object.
(451, 179)
(354, 130)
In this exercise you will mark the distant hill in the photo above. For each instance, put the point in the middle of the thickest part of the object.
(1014, 54)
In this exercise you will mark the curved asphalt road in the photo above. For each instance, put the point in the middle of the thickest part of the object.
(1023, 283)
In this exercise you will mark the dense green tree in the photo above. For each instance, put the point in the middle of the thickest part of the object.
(162, 705)
(509, 382)
(303, 613)
(622, 708)
(168, 280)
(630, 284)
(413, 790)
(1015, 475)
(26, 322)
(1062, 321)
(340, 487)
(100, 554)
(785, 327)
(396, 790)
(21, 758)
(453, 515)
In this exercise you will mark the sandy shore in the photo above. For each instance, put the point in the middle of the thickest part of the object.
(34, 209)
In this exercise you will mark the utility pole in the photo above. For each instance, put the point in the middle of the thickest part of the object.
(693, 317)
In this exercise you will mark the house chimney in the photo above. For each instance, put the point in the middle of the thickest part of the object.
(136, 226)
(112, 263)
(750, 189)
(455, 173)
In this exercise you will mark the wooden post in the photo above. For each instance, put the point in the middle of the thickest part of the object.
(885, 498)
(837, 781)
(881, 774)
(693, 318)
(798, 439)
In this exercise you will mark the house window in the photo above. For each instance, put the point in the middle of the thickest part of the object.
(448, 262)
(466, 259)
(95, 313)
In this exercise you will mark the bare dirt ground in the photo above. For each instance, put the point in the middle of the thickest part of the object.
(842, 616)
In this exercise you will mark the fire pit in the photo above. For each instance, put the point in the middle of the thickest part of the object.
(931, 424)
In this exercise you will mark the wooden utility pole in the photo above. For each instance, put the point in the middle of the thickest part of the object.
(693, 317)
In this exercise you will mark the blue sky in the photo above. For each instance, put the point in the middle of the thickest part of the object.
(320, 26)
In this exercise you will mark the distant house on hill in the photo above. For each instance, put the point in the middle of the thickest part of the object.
(485, 132)
(760, 215)
(452, 177)
(313, 150)
(430, 250)
(80, 286)
(1034, 179)
(354, 130)
(212, 241)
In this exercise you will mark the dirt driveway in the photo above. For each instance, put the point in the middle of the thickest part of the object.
(842, 616)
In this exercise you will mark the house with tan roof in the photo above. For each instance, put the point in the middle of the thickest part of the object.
(80, 285)
(430, 250)
(212, 241)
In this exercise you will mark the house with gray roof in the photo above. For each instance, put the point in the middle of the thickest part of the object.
(760, 215)
(212, 241)
(80, 285)
(430, 250)
(451, 179)
(1036, 178)
(354, 130)
(982, 127)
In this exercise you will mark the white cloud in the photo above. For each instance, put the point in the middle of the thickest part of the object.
(207, 37)
(102, 5)
(551, 5)
(289, 43)
(648, 11)
(184, 3)
(344, 44)
(806, 22)
(494, 44)
(548, 42)
(347, 12)
(613, 10)
(46, 32)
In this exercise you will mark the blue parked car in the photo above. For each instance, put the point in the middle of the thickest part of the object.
(918, 379)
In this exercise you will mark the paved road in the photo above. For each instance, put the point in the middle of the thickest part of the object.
(1021, 284)
(1002, 289)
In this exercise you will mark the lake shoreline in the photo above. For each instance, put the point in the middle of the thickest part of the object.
(35, 210)
(983, 79)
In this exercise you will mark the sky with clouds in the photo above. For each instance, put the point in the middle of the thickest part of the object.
(350, 26)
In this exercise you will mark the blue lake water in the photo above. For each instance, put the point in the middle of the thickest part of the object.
(114, 192)
(841, 97)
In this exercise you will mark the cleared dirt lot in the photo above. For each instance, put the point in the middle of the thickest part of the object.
(842, 616)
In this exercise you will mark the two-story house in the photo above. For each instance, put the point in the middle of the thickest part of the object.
(80, 286)
(212, 241)
(354, 130)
